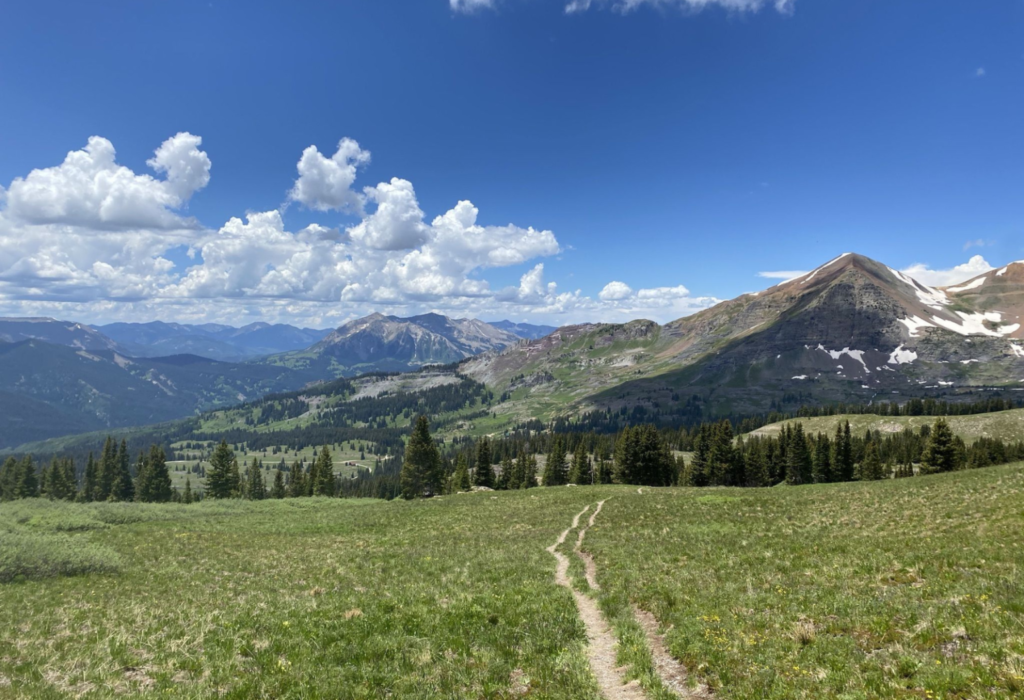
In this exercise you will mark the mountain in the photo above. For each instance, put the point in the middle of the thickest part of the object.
(210, 340)
(524, 330)
(49, 390)
(49, 330)
(852, 330)
(379, 343)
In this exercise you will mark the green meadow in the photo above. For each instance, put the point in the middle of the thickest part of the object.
(909, 588)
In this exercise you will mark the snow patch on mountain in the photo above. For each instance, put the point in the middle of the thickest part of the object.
(1017, 350)
(858, 355)
(974, 284)
(974, 324)
(914, 324)
(900, 356)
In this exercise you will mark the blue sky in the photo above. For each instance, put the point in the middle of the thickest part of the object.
(675, 151)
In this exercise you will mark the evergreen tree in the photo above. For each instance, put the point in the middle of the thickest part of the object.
(940, 454)
(255, 489)
(579, 472)
(89, 481)
(842, 454)
(297, 487)
(278, 490)
(555, 471)
(757, 466)
(529, 472)
(123, 488)
(324, 484)
(871, 465)
(460, 479)
(821, 472)
(698, 473)
(722, 457)
(602, 471)
(8, 479)
(222, 479)
(484, 475)
(186, 496)
(156, 486)
(503, 480)
(107, 471)
(798, 459)
(421, 473)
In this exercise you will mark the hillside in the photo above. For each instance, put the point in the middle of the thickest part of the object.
(852, 330)
(54, 390)
(1004, 425)
(48, 330)
(379, 343)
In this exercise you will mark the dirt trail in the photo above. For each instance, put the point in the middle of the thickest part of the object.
(670, 671)
(601, 648)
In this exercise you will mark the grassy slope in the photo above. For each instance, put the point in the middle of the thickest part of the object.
(899, 589)
(1006, 425)
(888, 589)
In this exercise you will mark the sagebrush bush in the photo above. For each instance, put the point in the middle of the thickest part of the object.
(33, 555)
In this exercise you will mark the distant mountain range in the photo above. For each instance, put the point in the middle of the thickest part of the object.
(853, 330)
(524, 330)
(61, 377)
(379, 343)
(217, 342)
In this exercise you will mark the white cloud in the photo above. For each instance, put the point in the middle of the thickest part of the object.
(398, 222)
(89, 189)
(578, 6)
(91, 240)
(943, 278)
(469, 5)
(326, 183)
(614, 291)
(784, 275)
(980, 73)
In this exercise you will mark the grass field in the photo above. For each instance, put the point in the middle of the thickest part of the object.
(1005, 425)
(897, 589)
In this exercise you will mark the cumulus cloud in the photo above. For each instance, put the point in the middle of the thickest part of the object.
(977, 265)
(90, 190)
(326, 183)
(91, 240)
(613, 291)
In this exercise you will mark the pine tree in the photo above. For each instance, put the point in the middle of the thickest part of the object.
(255, 489)
(798, 459)
(821, 472)
(722, 455)
(186, 496)
(555, 472)
(484, 475)
(8, 479)
(107, 471)
(529, 472)
(503, 479)
(757, 466)
(871, 466)
(324, 484)
(460, 479)
(421, 472)
(940, 454)
(698, 473)
(842, 454)
(123, 488)
(89, 481)
(297, 487)
(222, 480)
(579, 473)
(156, 486)
(278, 490)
